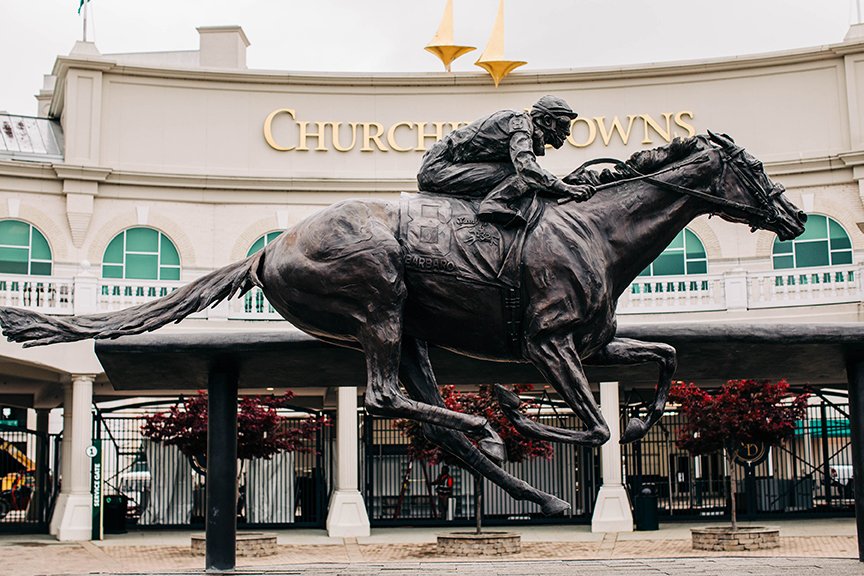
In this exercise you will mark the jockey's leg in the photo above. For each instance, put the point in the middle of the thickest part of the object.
(503, 203)
(473, 179)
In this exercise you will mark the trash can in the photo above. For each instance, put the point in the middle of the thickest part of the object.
(114, 513)
(645, 510)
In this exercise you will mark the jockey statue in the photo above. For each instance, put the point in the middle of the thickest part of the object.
(496, 157)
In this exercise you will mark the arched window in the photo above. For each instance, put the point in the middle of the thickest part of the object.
(823, 243)
(141, 254)
(263, 241)
(23, 249)
(684, 255)
(254, 303)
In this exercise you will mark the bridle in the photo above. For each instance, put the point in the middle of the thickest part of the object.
(765, 213)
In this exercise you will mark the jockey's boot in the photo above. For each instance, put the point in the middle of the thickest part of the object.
(497, 208)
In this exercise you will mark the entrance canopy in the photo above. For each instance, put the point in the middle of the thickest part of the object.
(708, 353)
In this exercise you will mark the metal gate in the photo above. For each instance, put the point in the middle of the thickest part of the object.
(811, 473)
(27, 485)
(155, 485)
(399, 490)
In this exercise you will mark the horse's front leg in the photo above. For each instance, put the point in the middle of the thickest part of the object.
(419, 380)
(557, 359)
(625, 351)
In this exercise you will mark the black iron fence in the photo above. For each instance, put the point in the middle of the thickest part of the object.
(28, 483)
(810, 473)
(151, 484)
(400, 490)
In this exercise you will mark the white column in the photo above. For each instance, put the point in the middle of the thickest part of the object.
(346, 516)
(612, 511)
(72, 515)
(65, 459)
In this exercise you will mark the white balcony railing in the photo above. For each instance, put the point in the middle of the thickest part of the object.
(654, 294)
(45, 294)
(804, 287)
(734, 290)
(252, 306)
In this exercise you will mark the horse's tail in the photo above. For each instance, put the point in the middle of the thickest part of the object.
(35, 329)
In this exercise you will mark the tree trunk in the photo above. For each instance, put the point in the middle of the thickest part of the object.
(733, 487)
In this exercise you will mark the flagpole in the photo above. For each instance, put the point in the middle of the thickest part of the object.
(85, 8)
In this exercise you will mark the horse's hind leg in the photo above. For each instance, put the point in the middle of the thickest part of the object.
(624, 351)
(557, 359)
(417, 376)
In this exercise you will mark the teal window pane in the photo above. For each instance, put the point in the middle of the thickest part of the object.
(114, 252)
(258, 245)
(14, 233)
(142, 240)
(783, 262)
(168, 254)
(783, 247)
(40, 268)
(111, 271)
(677, 242)
(695, 249)
(142, 266)
(13, 261)
(667, 264)
(839, 238)
(811, 254)
(816, 228)
(39, 249)
(271, 236)
(646, 272)
(697, 267)
(167, 273)
(838, 258)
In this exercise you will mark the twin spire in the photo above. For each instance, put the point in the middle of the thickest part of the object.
(492, 59)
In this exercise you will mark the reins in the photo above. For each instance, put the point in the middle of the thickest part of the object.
(766, 213)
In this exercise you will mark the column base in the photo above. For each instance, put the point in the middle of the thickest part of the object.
(346, 516)
(72, 519)
(612, 511)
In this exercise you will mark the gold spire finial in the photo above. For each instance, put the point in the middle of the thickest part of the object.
(492, 60)
(442, 44)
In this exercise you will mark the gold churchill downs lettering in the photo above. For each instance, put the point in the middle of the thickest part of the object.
(286, 132)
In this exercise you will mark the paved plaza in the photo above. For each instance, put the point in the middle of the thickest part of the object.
(819, 546)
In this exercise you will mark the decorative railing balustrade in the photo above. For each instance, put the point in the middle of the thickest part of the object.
(804, 286)
(735, 290)
(45, 294)
(654, 294)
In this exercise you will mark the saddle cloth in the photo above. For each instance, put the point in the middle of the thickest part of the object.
(442, 236)
(466, 267)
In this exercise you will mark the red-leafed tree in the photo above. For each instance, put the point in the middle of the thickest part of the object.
(741, 412)
(481, 403)
(261, 431)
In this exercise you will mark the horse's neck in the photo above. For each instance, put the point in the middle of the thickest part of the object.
(633, 223)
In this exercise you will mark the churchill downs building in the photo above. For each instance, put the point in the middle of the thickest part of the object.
(141, 172)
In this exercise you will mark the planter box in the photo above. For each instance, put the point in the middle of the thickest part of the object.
(724, 539)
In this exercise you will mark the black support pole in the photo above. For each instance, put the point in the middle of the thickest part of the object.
(221, 469)
(855, 376)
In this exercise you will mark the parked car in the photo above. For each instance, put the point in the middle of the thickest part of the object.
(136, 487)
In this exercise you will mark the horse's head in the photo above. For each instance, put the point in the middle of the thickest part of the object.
(746, 194)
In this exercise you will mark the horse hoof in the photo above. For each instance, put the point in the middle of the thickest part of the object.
(635, 430)
(553, 506)
(506, 398)
(493, 448)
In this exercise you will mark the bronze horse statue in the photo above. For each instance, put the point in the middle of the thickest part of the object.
(340, 276)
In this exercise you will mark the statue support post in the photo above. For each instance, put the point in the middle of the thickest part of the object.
(855, 376)
(221, 520)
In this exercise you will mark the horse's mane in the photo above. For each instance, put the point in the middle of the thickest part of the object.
(643, 162)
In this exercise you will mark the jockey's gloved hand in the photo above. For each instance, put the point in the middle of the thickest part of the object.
(580, 192)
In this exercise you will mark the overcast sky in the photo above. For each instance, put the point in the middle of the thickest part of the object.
(389, 35)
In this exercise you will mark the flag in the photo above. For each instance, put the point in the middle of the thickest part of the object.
(81, 5)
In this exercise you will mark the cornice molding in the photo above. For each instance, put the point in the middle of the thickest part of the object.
(88, 173)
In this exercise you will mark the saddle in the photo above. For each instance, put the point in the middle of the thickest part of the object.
(449, 251)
